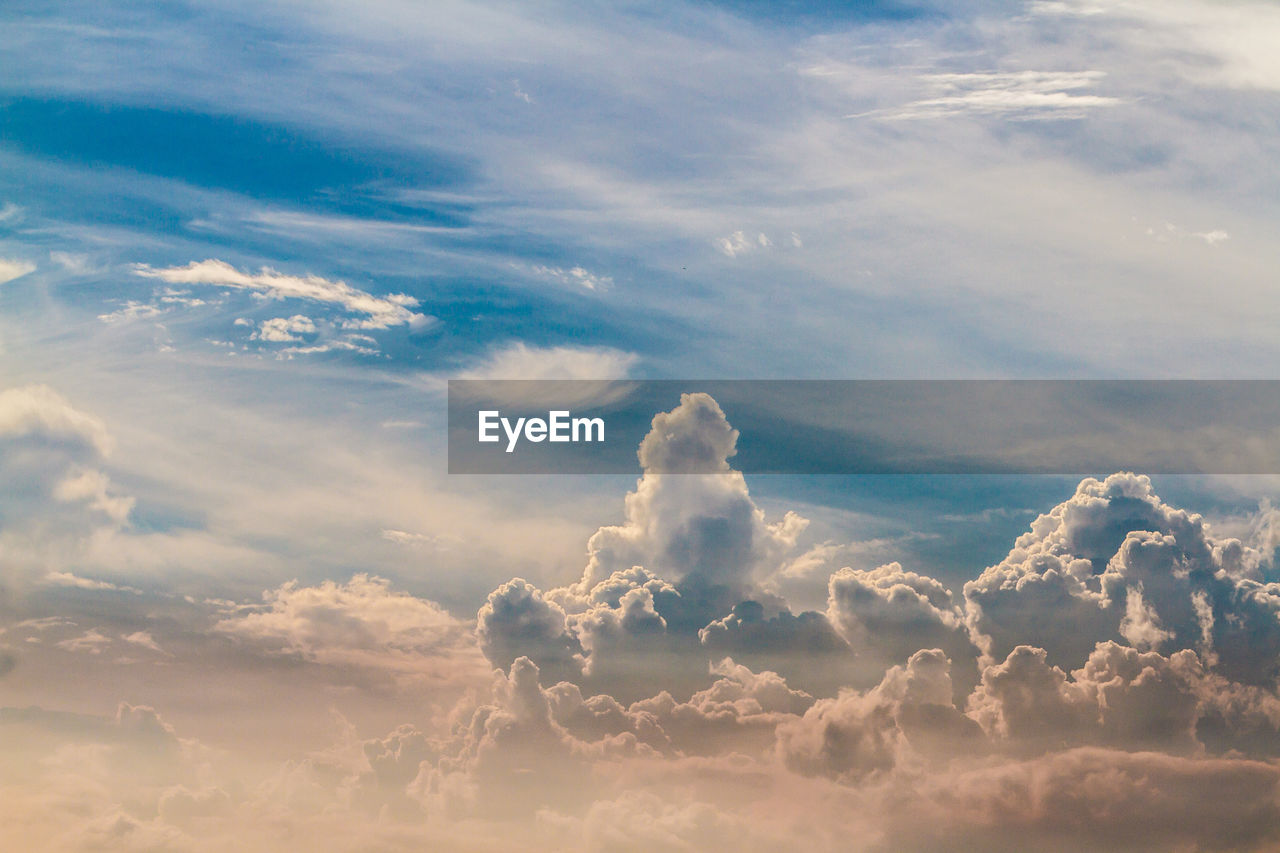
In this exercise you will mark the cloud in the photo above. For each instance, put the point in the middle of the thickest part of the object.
(518, 621)
(742, 243)
(688, 550)
(512, 757)
(11, 269)
(805, 646)
(91, 641)
(739, 712)
(1120, 697)
(856, 735)
(738, 243)
(144, 640)
(362, 344)
(521, 361)
(1145, 613)
(132, 310)
(694, 530)
(360, 625)
(91, 487)
(1021, 95)
(417, 540)
(1227, 46)
(888, 613)
(1116, 563)
(527, 748)
(69, 579)
(39, 410)
(577, 276)
(1093, 799)
(56, 495)
(694, 437)
(285, 329)
(379, 312)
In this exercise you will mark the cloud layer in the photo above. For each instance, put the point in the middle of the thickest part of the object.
(1109, 684)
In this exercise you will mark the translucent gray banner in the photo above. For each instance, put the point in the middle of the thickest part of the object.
(875, 426)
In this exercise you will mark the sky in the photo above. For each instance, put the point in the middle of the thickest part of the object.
(244, 247)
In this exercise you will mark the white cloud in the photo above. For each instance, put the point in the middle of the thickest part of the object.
(132, 310)
(145, 640)
(11, 269)
(38, 409)
(1116, 562)
(1218, 45)
(691, 546)
(739, 243)
(578, 276)
(379, 312)
(1168, 232)
(285, 329)
(91, 487)
(361, 624)
(91, 641)
(418, 540)
(361, 344)
(69, 579)
(1022, 95)
(72, 262)
(521, 361)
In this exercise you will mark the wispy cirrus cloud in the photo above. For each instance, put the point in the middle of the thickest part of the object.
(579, 276)
(521, 361)
(1015, 95)
(379, 312)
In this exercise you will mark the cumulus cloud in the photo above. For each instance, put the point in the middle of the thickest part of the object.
(1118, 624)
(358, 625)
(690, 548)
(804, 645)
(527, 748)
(1121, 696)
(517, 620)
(909, 715)
(371, 312)
(693, 530)
(1115, 563)
(668, 690)
(285, 329)
(888, 613)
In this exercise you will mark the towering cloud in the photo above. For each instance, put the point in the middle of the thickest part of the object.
(1114, 563)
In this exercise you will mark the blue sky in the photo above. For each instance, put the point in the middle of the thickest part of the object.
(243, 246)
(738, 190)
(960, 209)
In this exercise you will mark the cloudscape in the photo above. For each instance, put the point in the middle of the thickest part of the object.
(246, 247)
